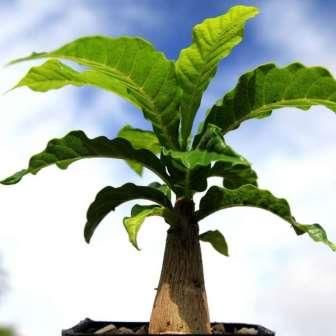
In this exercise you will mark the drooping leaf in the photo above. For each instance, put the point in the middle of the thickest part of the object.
(138, 215)
(316, 232)
(268, 87)
(140, 139)
(218, 198)
(76, 146)
(138, 72)
(217, 240)
(213, 39)
(53, 74)
(109, 198)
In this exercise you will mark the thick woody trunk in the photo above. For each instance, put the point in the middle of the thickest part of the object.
(181, 305)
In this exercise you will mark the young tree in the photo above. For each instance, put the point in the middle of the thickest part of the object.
(169, 95)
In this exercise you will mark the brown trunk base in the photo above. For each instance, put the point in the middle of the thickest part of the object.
(181, 305)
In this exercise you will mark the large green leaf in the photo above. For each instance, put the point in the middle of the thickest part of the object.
(137, 71)
(140, 139)
(213, 39)
(138, 215)
(53, 74)
(76, 146)
(109, 198)
(217, 240)
(269, 87)
(218, 198)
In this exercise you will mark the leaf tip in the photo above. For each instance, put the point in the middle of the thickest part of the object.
(88, 233)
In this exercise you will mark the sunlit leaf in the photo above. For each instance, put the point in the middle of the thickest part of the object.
(213, 39)
(128, 66)
(268, 87)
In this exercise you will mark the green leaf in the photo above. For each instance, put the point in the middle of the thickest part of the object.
(217, 240)
(316, 232)
(162, 187)
(197, 157)
(138, 215)
(140, 139)
(218, 198)
(190, 170)
(213, 39)
(234, 177)
(109, 198)
(267, 88)
(185, 181)
(76, 146)
(138, 72)
(54, 75)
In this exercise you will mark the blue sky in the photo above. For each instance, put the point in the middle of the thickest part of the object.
(272, 277)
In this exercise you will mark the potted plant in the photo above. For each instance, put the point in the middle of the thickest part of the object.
(169, 94)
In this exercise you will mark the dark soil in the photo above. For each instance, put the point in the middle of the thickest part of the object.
(92, 328)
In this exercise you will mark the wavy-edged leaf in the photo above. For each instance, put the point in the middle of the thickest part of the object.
(217, 240)
(109, 198)
(218, 198)
(76, 146)
(141, 74)
(268, 87)
(316, 232)
(213, 39)
(140, 139)
(138, 215)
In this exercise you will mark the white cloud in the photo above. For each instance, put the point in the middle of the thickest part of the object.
(48, 264)
(297, 30)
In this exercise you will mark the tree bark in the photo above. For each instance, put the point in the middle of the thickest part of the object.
(181, 304)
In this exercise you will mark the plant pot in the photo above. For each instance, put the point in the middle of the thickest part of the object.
(89, 328)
